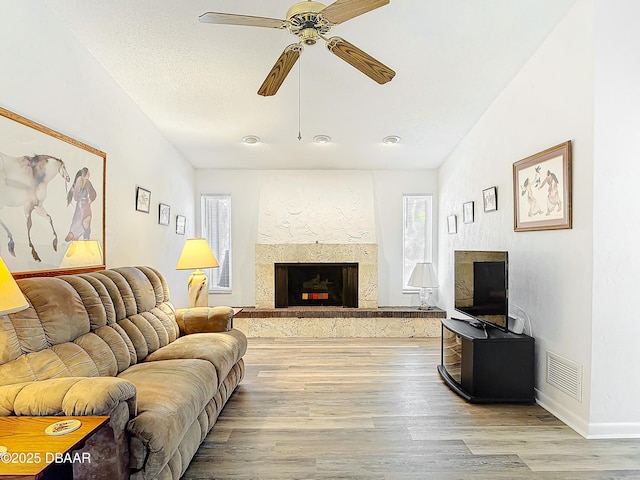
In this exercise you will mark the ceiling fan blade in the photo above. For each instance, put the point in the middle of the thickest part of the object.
(343, 10)
(247, 20)
(280, 70)
(362, 61)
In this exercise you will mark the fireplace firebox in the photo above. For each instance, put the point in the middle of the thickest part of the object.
(316, 284)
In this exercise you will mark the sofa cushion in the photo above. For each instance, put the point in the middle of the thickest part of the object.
(95, 299)
(97, 323)
(64, 360)
(171, 395)
(67, 396)
(119, 344)
(222, 349)
(204, 319)
(61, 314)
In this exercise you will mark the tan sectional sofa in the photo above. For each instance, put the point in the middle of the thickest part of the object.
(111, 343)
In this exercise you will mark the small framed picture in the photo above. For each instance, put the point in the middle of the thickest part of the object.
(143, 200)
(452, 224)
(490, 199)
(164, 214)
(181, 224)
(467, 212)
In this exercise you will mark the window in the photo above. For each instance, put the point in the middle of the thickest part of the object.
(416, 235)
(216, 228)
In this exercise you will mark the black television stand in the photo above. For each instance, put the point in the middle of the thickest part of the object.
(490, 366)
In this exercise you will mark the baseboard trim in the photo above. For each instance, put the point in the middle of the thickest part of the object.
(560, 411)
(587, 430)
(614, 430)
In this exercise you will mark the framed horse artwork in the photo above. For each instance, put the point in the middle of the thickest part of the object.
(542, 190)
(52, 198)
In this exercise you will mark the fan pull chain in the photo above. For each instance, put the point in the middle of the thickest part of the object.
(299, 99)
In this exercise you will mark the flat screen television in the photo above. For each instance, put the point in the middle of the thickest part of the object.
(482, 286)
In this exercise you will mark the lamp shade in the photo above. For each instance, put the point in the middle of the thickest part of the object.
(82, 253)
(196, 254)
(423, 276)
(11, 300)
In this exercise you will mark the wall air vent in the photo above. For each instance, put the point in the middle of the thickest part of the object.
(565, 375)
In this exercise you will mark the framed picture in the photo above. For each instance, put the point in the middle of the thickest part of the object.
(181, 224)
(164, 214)
(542, 190)
(490, 199)
(52, 192)
(143, 200)
(467, 212)
(452, 224)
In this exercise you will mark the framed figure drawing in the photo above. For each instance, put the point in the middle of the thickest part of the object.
(52, 193)
(490, 199)
(542, 190)
(452, 224)
(164, 214)
(467, 212)
(181, 224)
(143, 200)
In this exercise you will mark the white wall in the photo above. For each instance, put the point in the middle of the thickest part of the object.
(548, 102)
(616, 357)
(246, 187)
(389, 186)
(318, 206)
(49, 77)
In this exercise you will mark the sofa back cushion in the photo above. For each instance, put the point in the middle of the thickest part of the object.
(94, 324)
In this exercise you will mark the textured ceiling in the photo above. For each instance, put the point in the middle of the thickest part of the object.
(197, 82)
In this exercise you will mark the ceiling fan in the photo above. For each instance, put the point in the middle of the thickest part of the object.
(311, 21)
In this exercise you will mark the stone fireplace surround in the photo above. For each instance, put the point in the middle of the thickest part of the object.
(364, 254)
(368, 320)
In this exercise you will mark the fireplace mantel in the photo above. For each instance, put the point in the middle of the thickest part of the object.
(364, 254)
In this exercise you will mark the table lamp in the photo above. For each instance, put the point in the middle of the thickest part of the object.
(82, 253)
(196, 254)
(424, 276)
(12, 300)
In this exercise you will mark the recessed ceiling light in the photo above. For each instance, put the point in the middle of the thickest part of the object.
(391, 139)
(322, 139)
(251, 139)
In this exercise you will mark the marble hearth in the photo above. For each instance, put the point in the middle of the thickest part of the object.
(364, 254)
(335, 322)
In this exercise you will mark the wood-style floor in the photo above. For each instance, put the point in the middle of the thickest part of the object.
(377, 409)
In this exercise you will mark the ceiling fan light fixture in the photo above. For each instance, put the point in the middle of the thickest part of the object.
(391, 140)
(307, 7)
(309, 36)
(250, 139)
(309, 21)
(322, 139)
(304, 21)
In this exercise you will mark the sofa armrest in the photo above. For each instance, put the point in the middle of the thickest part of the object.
(67, 396)
(204, 319)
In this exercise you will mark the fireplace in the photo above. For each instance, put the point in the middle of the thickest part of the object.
(365, 255)
(316, 284)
